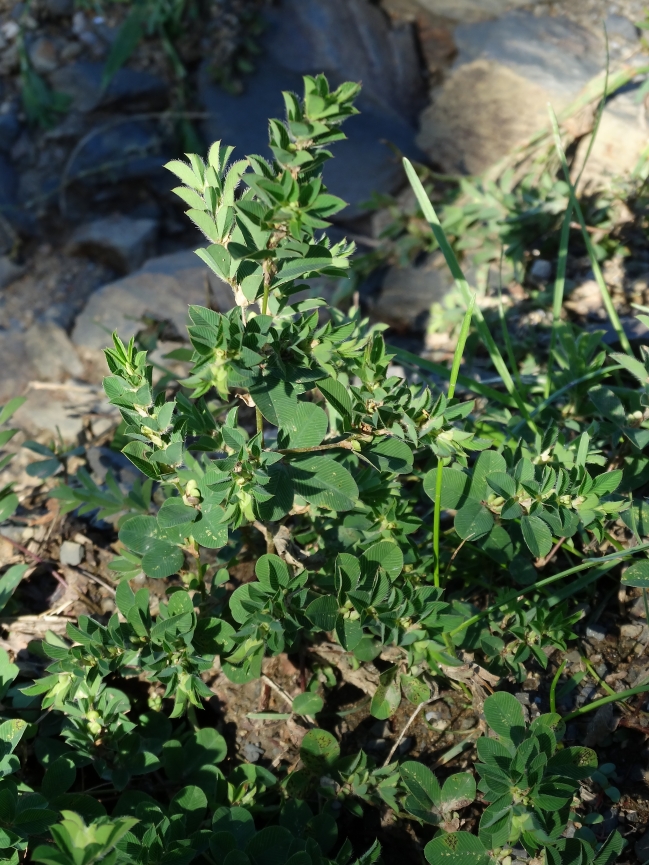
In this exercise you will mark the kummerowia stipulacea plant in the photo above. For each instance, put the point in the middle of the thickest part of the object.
(378, 511)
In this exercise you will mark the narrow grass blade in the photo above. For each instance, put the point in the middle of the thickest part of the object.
(463, 286)
(559, 288)
(605, 563)
(599, 278)
(603, 701)
(455, 369)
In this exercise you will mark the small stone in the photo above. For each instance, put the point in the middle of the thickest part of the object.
(601, 725)
(632, 632)
(632, 816)
(596, 632)
(433, 715)
(251, 752)
(523, 698)
(405, 745)
(540, 271)
(381, 729)
(118, 241)
(71, 554)
(44, 56)
(376, 744)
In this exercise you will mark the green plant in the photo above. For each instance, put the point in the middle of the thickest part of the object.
(529, 785)
(395, 519)
(8, 498)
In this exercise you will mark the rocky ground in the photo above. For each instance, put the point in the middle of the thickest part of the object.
(91, 241)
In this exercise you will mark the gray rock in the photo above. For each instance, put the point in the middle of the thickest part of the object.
(129, 89)
(51, 353)
(407, 294)
(405, 745)
(596, 633)
(161, 290)
(381, 729)
(66, 410)
(506, 72)
(540, 271)
(600, 726)
(362, 164)
(251, 752)
(130, 149)
(472, 10)
(44, 55)
(71, 553)
(554, 53)
(43, 353)
(620, 27)
(117, 241)
(9, 271)
(351, 40)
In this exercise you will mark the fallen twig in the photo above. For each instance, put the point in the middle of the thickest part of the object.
(409, 722)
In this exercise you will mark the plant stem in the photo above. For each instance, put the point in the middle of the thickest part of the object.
(604, 701)
(553, 687)
(455, 369)
(559, 287)
(346, 444)
(609, 561)
(598, 678)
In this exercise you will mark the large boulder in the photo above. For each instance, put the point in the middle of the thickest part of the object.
(160, 292)
(129, 89)
(345, 39)
(118, 241)
(351, 40)
(506, 72)
(472, 10)
(363, 164)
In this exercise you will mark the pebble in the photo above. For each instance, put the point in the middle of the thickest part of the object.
(540, 271)
(44, 56)
(596, 632)
(71, 554)
(631, 631)
(251, 752)
(381, 729)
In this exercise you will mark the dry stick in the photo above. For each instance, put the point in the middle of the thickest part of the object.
(409, 722)
(541, 563)
(36, 558)
(285, 697)
(97, 580)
